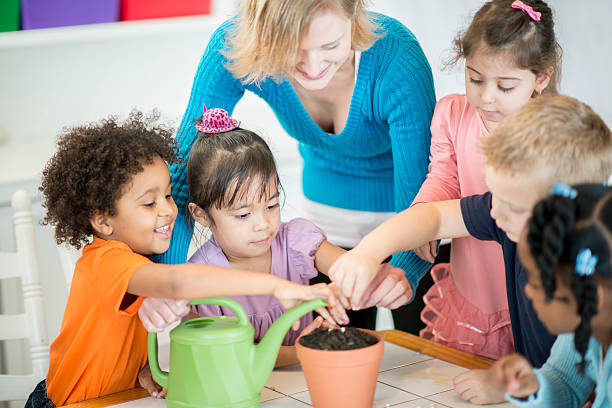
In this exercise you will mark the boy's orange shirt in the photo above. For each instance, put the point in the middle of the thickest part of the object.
(102, 344)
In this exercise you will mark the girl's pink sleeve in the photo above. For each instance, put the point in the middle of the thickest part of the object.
(442, 180)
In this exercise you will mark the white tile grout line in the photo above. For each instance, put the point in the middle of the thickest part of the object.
(420, 396)
(436, 402)
(423, 398)
(298, 400)
(282, 394)
(406, 364)
(382, 382)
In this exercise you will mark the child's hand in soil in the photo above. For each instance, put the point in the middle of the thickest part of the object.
(389, 288)
(290, 294)
(158, 313)
(146, 381)
(338, 312)
(318, 322)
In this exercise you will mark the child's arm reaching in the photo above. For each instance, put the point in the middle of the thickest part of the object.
(558, 383)
(389, 288)
(158, 313)
(411, 228)
(326, 255)
(191, 281)
(512, 375)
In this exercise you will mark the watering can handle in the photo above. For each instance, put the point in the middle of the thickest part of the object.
(243, 319)
(158, 375)
(162, 378)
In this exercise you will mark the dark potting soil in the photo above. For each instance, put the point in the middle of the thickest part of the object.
(325, 339)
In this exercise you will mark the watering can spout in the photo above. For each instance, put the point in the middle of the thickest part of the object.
(267, 350)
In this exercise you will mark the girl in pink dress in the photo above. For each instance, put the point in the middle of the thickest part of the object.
(511, 55)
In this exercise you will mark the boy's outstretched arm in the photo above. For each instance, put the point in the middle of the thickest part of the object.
(192, 281)
(157, 313)
(407, 230)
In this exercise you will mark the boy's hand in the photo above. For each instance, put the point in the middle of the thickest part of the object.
(427, 252)
(516, 375)
(158, 313)
(389, 288)
(145, 378)
(290, 294)
(353, 272)
(479, 387)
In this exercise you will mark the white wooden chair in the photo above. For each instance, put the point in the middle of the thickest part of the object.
(31, 325)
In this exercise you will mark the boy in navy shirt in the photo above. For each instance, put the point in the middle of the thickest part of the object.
(551, 139)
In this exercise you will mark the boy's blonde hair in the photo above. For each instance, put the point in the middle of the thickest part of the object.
(267, 33)
(559, 135)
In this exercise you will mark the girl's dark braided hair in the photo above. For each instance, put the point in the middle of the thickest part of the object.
(560, 227)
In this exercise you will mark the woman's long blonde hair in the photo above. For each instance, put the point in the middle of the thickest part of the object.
(267, 33)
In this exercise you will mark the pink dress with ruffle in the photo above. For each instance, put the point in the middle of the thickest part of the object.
(293, 251)
(467, 307)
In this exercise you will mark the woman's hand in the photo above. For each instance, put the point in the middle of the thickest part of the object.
(389, 289)
(428, 251)
(146, 381)
(352, 272)
(158, 313)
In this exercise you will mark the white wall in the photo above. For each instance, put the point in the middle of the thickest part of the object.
(582, 29)
(58, 77)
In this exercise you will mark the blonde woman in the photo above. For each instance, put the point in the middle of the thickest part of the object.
(353, 87)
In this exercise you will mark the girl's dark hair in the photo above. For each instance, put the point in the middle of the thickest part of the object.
(222, 166)
(559, 229)
(91, 167)
(501, 28)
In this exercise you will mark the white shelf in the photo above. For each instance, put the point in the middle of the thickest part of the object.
(106, 31)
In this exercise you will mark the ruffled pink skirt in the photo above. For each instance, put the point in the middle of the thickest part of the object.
(453, 321)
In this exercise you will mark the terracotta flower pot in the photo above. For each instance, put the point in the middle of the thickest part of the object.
(342, 378)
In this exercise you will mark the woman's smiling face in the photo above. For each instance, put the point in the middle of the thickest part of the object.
(323, 49)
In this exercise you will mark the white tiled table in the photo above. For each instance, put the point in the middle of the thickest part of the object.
(407, 379)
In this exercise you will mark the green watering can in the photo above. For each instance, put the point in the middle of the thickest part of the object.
(213, 361)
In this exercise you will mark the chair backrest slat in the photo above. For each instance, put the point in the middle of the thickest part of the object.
(31, 324)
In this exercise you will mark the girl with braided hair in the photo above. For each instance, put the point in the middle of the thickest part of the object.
(566, 249)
